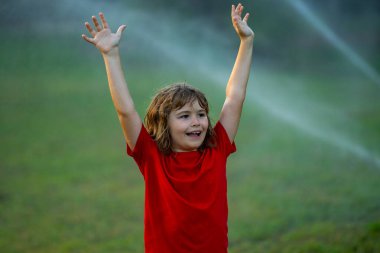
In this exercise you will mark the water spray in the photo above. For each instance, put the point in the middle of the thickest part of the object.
(337, 42)
(175, 51)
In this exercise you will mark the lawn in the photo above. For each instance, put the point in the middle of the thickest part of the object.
(67, 185)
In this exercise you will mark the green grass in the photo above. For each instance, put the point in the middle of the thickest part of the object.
(67, 185)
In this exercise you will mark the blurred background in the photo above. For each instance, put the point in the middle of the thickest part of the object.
(307, 172)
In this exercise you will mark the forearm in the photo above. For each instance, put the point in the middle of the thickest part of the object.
(118, 86)
(237, 83)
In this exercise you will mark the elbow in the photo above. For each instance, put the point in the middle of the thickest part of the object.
(125, 109)
(122, 113)
(237, 97)
(125, 113)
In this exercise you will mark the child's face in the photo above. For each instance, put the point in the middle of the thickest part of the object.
(188, 127)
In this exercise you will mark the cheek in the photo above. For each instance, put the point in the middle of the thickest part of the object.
(205, 122)
(172, 124)
(176, 127)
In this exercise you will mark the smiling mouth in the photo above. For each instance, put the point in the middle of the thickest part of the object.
(195, 133)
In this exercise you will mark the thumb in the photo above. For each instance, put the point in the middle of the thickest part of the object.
(91, 40)
(120, 30)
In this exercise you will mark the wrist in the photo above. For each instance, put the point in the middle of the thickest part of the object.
(247, 39)
(113, 52)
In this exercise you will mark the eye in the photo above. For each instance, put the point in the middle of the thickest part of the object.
(184, 116)
(202, 114)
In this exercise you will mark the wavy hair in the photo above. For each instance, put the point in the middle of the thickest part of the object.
(168, 99)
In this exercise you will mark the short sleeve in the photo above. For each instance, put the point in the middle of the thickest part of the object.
(223, 142)
(144, 145)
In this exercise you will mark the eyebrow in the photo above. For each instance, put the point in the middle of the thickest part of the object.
(188, 111)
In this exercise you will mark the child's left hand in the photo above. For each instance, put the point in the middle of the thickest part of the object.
(240, 25)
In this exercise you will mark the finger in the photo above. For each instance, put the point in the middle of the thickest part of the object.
(104, 22)
(238, 8)
(89, 28)
(96, 23)
(233, 10)
(245, 19)
(88, 39)
(120, 30)
(240, 11)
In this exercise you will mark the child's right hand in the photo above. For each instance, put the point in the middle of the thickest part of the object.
(103, 38)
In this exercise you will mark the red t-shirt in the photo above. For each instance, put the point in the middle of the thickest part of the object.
(185, 196)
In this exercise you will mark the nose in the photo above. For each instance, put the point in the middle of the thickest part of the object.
(195, 121)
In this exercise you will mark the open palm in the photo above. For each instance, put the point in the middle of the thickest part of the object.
(239, 23)
(103, 38)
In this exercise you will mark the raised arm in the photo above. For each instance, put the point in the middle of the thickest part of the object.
(237, 83)
(108, 44)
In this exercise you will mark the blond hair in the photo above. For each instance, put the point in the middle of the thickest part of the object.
(168, 99)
